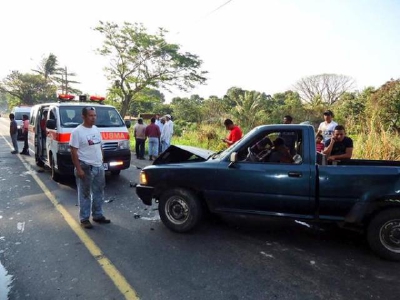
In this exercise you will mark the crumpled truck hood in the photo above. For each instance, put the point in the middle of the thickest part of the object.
(179, 154)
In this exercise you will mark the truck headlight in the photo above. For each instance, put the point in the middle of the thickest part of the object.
(123, 144)
(64, 147)
(143, 178)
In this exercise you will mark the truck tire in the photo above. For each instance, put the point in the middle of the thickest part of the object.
(180, 209)
(383, 234)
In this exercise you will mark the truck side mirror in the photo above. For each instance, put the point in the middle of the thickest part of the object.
(233, 159)
(128, 124)
(51, 124)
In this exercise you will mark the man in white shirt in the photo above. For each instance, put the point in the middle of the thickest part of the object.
(327, 127)
(87, 157)
(166, 133)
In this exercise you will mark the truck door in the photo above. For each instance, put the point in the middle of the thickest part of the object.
(267, 187)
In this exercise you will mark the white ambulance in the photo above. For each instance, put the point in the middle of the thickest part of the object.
(51, 124)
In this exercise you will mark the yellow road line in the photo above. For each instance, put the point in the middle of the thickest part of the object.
(118, 279)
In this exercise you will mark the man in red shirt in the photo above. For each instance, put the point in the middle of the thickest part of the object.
(234, 135)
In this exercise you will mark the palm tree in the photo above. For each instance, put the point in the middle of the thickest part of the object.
(49, 67)
(249, 108)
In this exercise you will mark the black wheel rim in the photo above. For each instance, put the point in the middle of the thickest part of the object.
(390, 235)
(177, 210)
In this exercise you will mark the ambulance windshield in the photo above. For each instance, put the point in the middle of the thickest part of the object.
(71, 116)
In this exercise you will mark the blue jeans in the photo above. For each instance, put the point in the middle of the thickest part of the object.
(164, 145)
(14, 139)
(91, 191)
(153, 146)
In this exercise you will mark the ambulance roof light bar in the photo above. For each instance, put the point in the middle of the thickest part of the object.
(65, 97)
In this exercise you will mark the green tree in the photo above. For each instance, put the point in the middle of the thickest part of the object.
(214, 110)
(48, 67)
(139, 60)
(188, 109)
(249, 109)
(383, 107)
(27, 89)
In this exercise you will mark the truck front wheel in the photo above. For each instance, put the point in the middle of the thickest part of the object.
(180, 209)
(384, 234)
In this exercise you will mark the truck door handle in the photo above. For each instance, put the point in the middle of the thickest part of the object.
(295, 174)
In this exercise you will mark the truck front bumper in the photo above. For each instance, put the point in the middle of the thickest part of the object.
(145, 193)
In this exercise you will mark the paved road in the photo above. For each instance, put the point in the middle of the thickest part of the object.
(226, 258)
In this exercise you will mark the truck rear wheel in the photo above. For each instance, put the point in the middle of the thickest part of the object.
(180, 209)
(384, 234)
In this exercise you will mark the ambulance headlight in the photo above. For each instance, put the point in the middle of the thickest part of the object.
(123, 144)
(19, 126)
(63, 147)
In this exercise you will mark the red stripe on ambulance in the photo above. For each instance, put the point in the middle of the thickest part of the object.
(65, 137)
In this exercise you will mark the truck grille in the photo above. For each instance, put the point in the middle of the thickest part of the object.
(110, 146)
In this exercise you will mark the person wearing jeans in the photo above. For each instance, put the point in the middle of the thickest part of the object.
(87, 157)
(153, 133)
(91, 186)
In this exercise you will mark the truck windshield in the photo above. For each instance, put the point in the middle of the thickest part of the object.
(71, 116)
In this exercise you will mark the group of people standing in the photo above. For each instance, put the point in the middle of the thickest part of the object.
(159, 133)
(14, 133)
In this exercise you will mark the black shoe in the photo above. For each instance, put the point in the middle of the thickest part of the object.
(102, 220)
(14, 152)
(86, 224)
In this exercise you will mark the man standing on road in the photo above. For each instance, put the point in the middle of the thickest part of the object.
(25, 128)
(13, 133)
(87, 157)
(140, 138)
(166, 133)
(153, 133)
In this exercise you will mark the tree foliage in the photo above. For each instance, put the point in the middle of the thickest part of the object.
(28, 89)
(323, 89)
(139, 60)
(384, 106)
(54, 74)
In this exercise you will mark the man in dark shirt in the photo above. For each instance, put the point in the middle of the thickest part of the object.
(339, 147)
(290, 137)
(13, 133)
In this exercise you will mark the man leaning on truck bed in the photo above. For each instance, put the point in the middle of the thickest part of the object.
(339, 146)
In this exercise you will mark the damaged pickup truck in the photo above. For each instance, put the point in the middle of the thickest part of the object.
(359, 194)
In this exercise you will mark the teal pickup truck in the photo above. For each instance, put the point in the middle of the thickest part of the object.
(360, 194)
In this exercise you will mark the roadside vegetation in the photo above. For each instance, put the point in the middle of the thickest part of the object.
(142, 65)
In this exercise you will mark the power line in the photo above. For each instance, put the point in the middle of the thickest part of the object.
(219, 7)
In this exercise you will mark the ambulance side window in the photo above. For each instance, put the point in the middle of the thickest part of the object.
(53, 116)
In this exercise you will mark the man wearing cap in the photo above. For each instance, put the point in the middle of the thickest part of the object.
(166, 133)
(327, 127)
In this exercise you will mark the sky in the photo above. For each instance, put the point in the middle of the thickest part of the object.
(263, 45)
